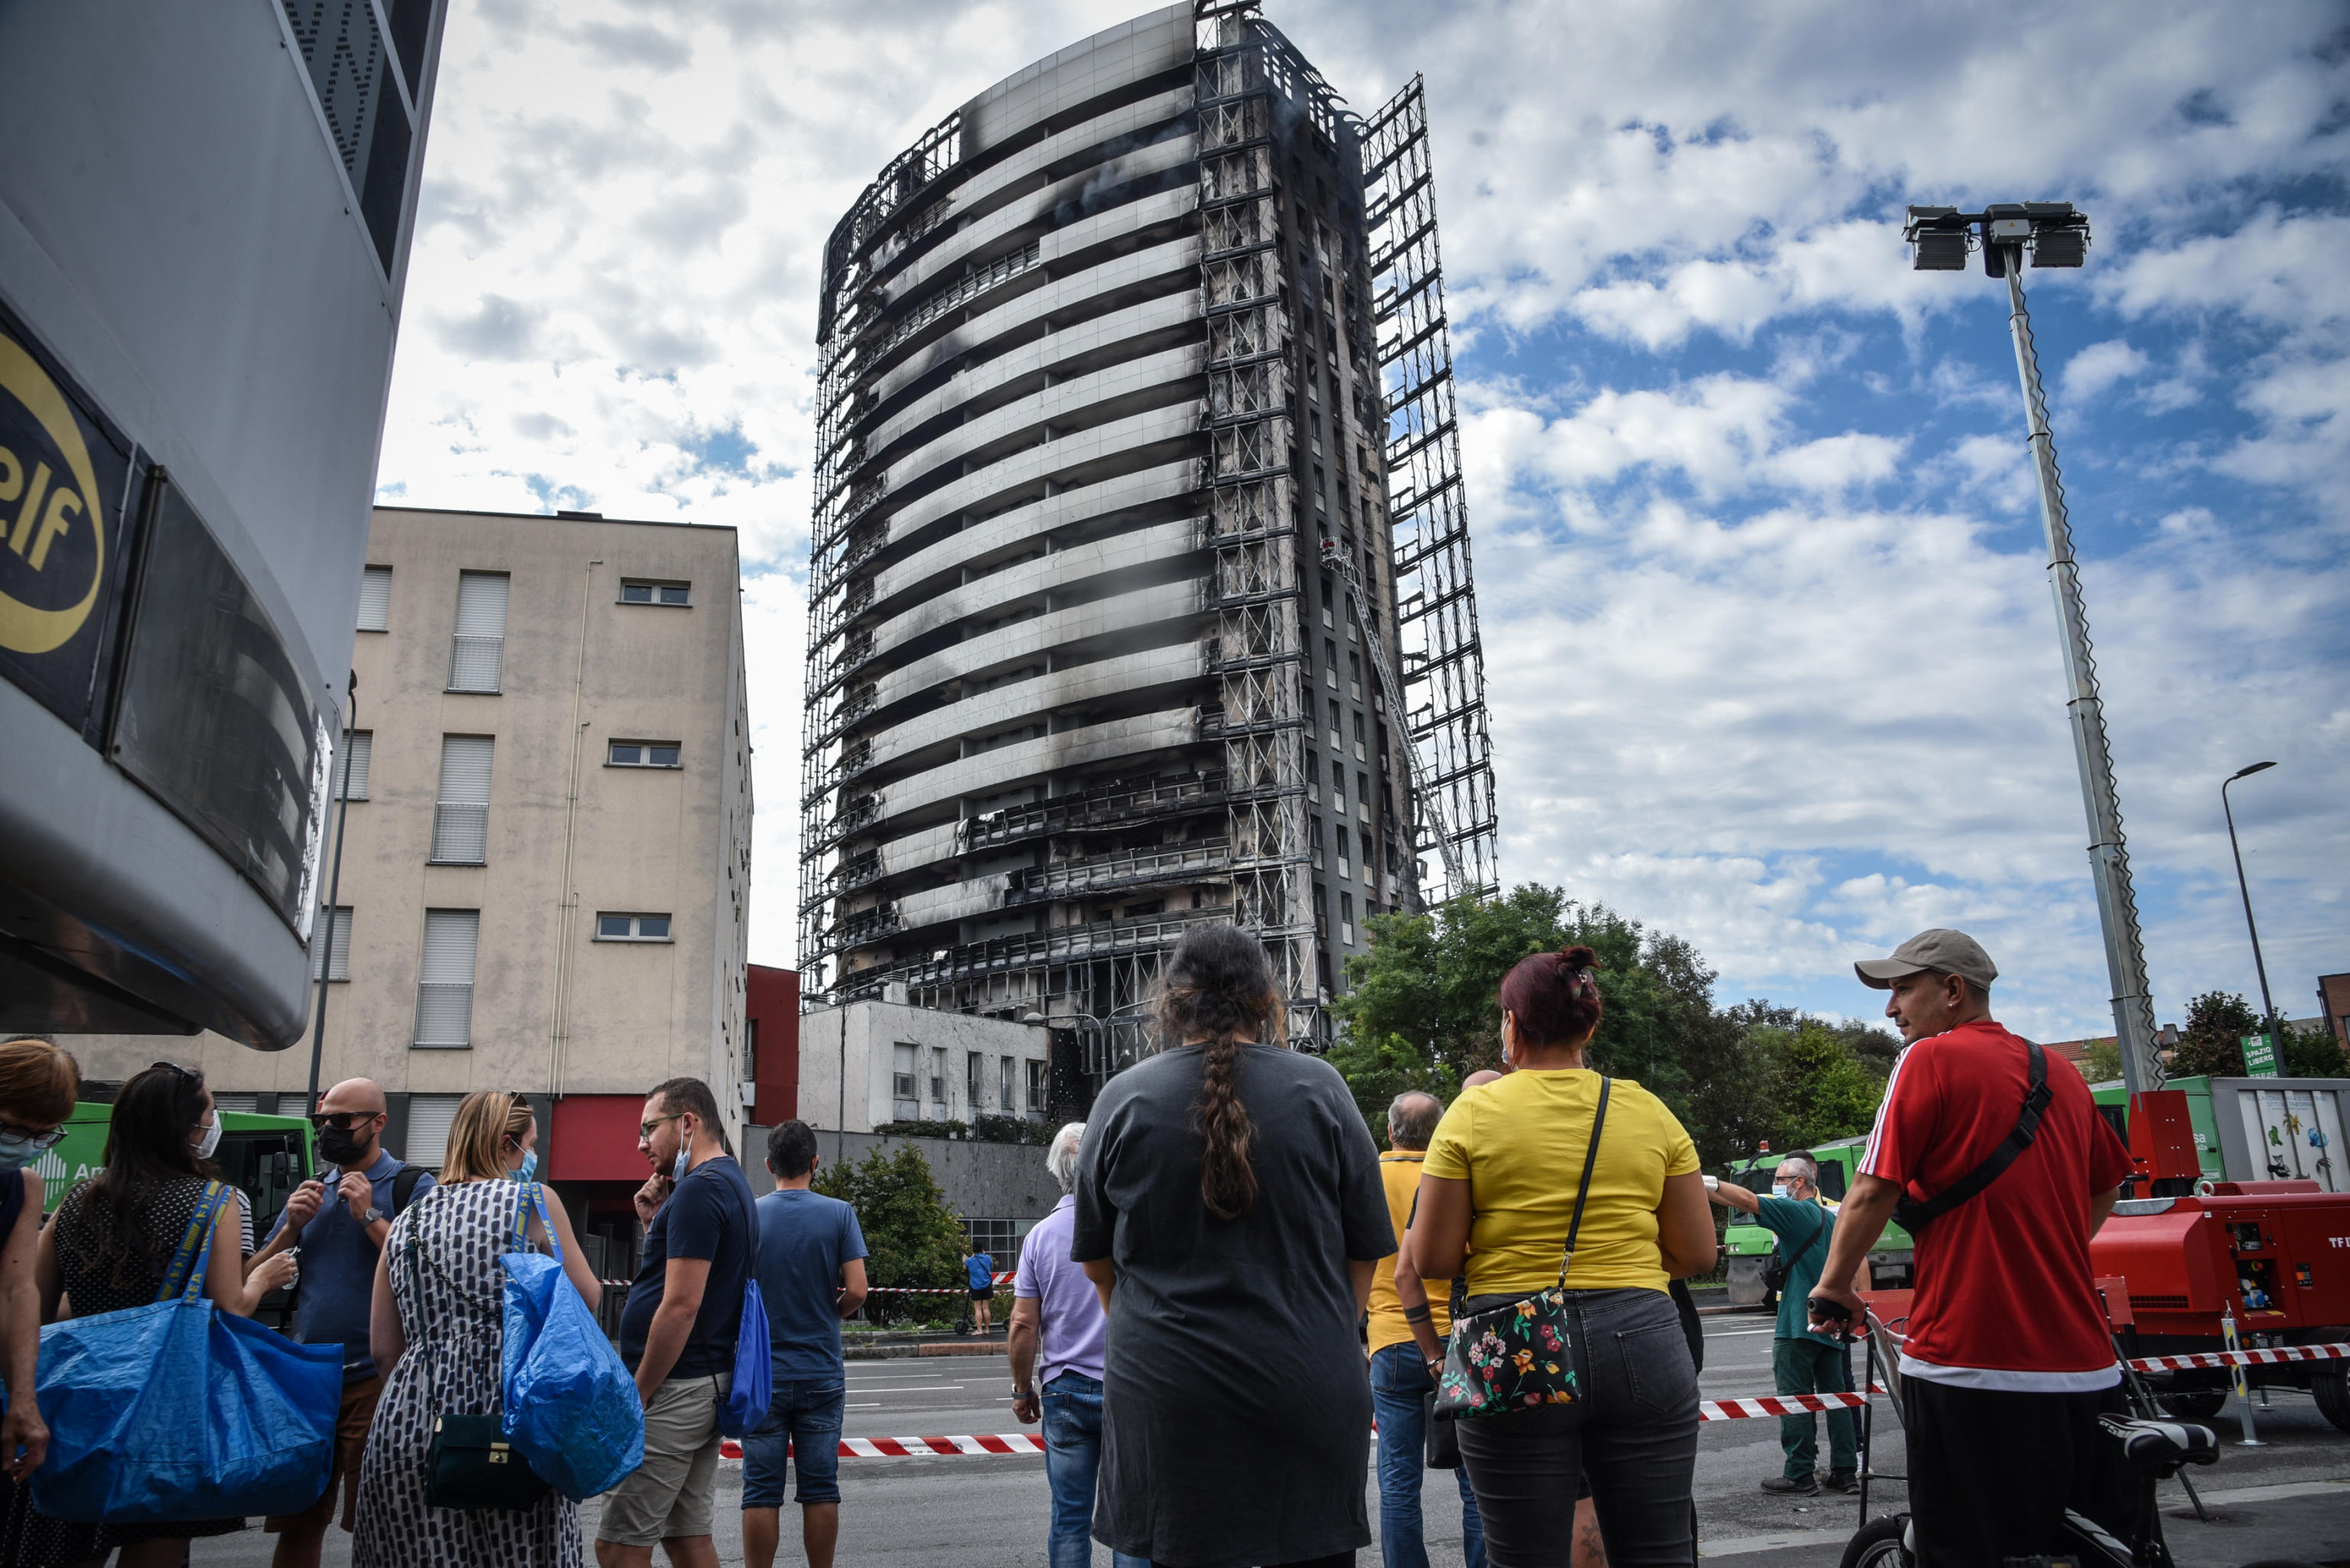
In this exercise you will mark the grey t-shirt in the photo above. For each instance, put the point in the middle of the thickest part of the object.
(1237, 1409)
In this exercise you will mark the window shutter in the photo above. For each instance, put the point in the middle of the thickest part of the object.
(429, 1120)
(334, 941)
(375, 599)
(461, 814)
(246, 1103)
(359, 751)
(481, 604)
(444, 990)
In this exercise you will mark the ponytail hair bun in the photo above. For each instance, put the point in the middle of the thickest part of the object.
(1554, 996)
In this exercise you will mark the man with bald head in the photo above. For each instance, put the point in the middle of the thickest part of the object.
(338, 1223)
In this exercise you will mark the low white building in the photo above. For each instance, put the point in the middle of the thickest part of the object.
(870, 1063)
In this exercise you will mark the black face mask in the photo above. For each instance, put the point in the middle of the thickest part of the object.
(336, 1146)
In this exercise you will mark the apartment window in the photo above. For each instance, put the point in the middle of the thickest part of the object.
(429, 1118)
(1037, 1086)
(1345, 843)
(1355, 676)
(975, 1082)
(1321, 911)
(460, 813)
(478, 651)
(358, 750)
(375, 599)
(1363, 796)
(444, 986)
(1314, 838)
(938, 1083)
(635, 592)
(1333, 725)
(1361, 739)
(628, 927)
(642, 754)
(1004, 1085)
(333, 936)
(1346, 918)
(905, 1092)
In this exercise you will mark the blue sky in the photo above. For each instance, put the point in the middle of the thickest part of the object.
(1772, 658)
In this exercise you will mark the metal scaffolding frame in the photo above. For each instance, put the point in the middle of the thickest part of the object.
(1442, 658)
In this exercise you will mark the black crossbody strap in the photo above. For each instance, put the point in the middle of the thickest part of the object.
(1911, 1216)
(1590, 1158)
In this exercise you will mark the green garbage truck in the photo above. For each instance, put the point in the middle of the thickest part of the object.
(267, 1157)
(1749, 1242)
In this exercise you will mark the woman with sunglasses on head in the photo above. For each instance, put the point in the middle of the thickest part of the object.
(439, 1336)
(109, 1248)
(38, 1085)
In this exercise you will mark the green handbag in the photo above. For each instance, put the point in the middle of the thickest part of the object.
(471, 1465)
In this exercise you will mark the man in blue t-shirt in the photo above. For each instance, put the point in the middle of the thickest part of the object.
(678, 1330)
(339, 1221)
(1802, 1362)
(980, 1269)
(811, 1272)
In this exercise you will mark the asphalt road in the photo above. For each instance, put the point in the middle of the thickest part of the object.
(2289, 1498)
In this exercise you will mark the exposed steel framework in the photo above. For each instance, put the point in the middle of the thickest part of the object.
(1443, 660)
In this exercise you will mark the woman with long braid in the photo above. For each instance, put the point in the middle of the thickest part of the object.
(1229, 1213)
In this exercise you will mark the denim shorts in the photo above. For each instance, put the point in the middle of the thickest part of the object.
(805, 1417)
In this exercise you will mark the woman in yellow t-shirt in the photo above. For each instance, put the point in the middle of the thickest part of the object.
(1496, 1194)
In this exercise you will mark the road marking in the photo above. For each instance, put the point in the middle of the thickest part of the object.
(904, 1387)
(1741, 1333)
(2282, 1489)
(1745, 1544)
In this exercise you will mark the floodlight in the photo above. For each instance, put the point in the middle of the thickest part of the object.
(1942, 237)
(2060, 234)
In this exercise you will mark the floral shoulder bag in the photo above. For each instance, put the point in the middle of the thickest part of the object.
(1520, 1353)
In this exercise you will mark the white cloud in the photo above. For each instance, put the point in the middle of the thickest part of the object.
(2097, 367)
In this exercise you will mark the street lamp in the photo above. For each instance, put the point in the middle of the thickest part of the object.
(2056, 233)
(2268, 1008)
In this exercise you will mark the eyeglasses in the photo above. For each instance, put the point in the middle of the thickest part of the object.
(342, 1121)
(35, 1138)
(645, 1129)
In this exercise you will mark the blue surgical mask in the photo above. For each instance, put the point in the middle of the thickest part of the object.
(528, 1168)
(1778, 1189)
(16, 1152)
(677, 1171)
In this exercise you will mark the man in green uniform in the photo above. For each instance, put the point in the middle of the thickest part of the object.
(1802, 1362)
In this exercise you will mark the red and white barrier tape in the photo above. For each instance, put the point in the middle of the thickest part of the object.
(2241, 1357)
(1708, 1409)
(1000, 1280)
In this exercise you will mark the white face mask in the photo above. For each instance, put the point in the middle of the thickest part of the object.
(1778, 1189)
(211, 1140)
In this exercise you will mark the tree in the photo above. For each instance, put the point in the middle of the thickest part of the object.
(2312, 1053)
(912, 1240)
(2213, 1040)
(2101, 1061)
(1822, 1091)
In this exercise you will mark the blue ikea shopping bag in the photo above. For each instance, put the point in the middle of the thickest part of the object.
(570, 1405)
(179, 1410)
(754, 1389)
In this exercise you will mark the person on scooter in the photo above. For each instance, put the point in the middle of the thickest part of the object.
(2008, 1360)
(1802, 1362)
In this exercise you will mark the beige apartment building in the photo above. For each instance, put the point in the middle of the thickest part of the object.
(545, 874)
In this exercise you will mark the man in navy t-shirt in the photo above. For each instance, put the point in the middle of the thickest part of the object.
(811, 1273)
(340, 1225)
(678, 1331)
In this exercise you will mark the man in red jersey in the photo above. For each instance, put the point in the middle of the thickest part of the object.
(2008, 1359)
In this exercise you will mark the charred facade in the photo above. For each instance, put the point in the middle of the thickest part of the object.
(1140, 596)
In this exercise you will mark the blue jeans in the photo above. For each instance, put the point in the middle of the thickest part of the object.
(1398, 1381)
(805, 1417)
(1073, 1419)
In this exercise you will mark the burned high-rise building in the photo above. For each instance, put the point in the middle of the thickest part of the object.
(1139, 587)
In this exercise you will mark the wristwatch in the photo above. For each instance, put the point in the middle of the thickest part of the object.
(1023, 1394)
(1713, 1184)
(372, 1215)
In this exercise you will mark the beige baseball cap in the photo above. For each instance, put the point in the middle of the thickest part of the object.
(1952, 952)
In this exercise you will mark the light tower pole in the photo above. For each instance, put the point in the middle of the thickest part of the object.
(2056, 233)
(2268, 1008)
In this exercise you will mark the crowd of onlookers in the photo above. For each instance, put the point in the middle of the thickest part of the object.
(1236, 1283)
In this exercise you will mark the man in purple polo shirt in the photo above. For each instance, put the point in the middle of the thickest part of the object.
(1053, 1303)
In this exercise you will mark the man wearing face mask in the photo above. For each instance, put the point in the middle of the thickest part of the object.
(1802, 1362)
(339, 1224)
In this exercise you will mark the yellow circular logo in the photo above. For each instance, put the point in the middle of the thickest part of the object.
(44, 496)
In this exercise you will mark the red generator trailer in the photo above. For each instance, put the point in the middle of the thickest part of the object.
(2275, 1255)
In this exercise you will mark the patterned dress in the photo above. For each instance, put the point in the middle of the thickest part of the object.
(100, 1274)
(462, 1229)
